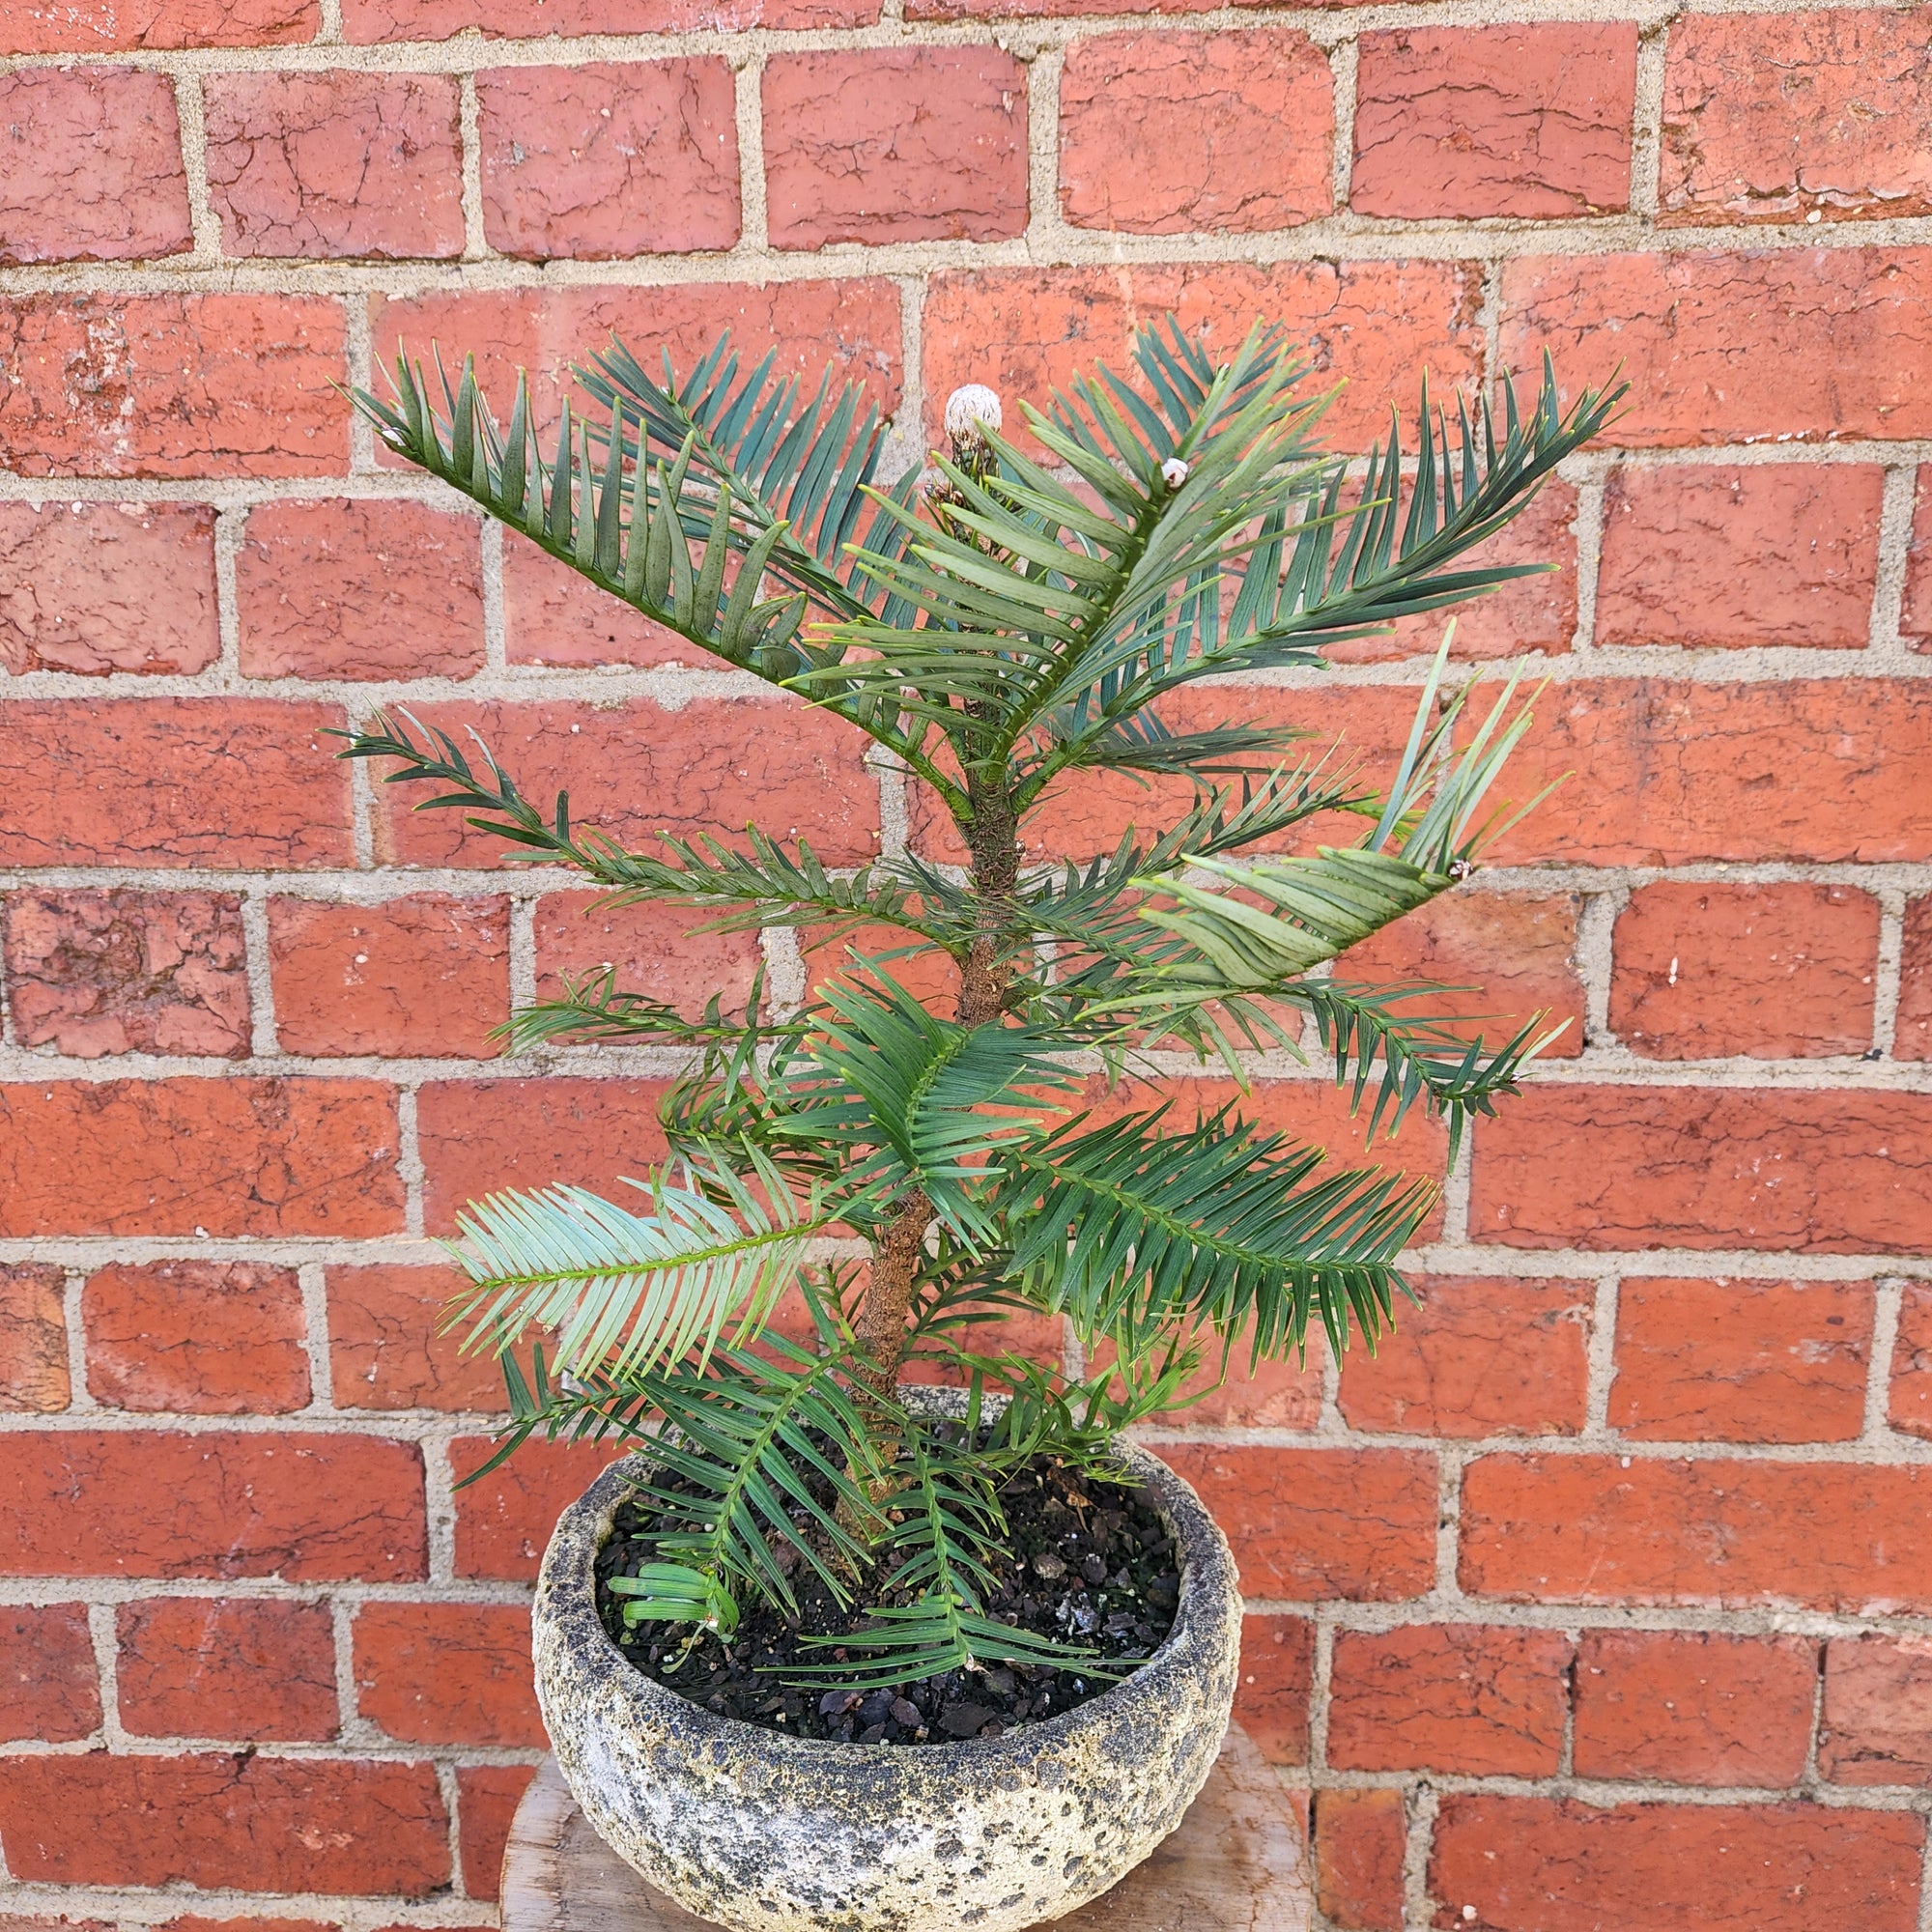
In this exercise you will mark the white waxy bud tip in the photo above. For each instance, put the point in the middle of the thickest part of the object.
(1175, 473)
(969, 409)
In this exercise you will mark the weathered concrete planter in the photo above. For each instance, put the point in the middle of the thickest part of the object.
(767, 1834)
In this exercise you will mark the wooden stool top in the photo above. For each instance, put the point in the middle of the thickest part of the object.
(1238, 1864)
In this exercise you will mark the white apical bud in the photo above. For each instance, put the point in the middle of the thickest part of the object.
(969, 409)
(1175, 473)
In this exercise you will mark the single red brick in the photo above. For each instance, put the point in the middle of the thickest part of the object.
(423, 976)
(633, 770)
(189, 1156)
(1913, 1039)
(852, 325)
(608, 160)
(487, 1796)
(1694, 1706)
(931, 977)
(151, 1502)
(1464, 1699)
(1023, 330)
(359, 590)
(385, 1350)
(1320, 1523)
(1501, 958)
(152, 781)
(1360, 1840)
(478, 1136)
(90, 167)
(1028, 10)
(1742, 1361)
(447, 1673)
(91, 588)
(1607, 1529)
(503, 1520)
(1821, 327)
(1272, 1697)
(1776, 972)
(1876, 1727)
(109, 26)
(1509, 1865)
(198, 1338)
(120, 969)
(1767, 117)
(1779, 554)
(34, 1379)
(255, 1823)
(1160, 133)
(1477, 1358)
(553, 616)
(1527, 120)
(1911, 1395)
(226, 1667)
(365, 20)
(336, 163)
(1915, 621)
(1085, 816)
(895, 144)
(1828, 770)
(1610, 1167)
(652, 947)
(1527, 613)
(173, 385)
(194, 1922)
(50, 1691)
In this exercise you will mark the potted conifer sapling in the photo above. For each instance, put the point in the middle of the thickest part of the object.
(836, 1648)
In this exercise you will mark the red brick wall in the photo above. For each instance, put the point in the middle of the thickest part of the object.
(1604, 1599)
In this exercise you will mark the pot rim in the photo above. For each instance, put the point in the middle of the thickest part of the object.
(566, 1598)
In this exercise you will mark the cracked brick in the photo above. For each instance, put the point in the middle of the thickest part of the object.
(604, 160)
(93, 589)
(1767, 555)
(367, 21)
(895, 144)
(119, 970)
(49, 1683)
(1694, 1706)
(1166, 133)
(447, 1673)
(226, 1667)
(1718, 1534)
(1360, 1838)
(1791, 1169)
(1823, 115)
(1476, 1357)
(1876, 1724)
(428, 974)
(1531, 121)
(1791, 345)
(34, 1374)
(253, 1823)
(1772, 971)
(196, 1338)
(220, 1504)
(387, 1349)
(113, 26)
(1741, 1361)
(336, 164)
(202, 1157)
(90, 167)
(173, 385)
(361, 591)
(151, 782)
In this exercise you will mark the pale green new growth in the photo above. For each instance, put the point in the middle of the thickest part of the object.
(999, 626)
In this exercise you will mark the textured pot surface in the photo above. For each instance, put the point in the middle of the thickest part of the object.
(768, 1833)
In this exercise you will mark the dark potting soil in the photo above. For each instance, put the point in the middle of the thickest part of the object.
(1087, 1562)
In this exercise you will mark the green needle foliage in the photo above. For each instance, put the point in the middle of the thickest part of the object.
(996, 626)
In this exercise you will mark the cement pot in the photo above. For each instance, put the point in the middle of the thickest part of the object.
(768, 1833)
